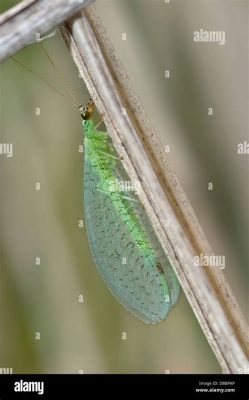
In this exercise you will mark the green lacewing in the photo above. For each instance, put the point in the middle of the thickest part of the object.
(124, 246)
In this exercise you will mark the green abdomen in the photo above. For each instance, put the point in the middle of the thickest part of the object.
(125, 248)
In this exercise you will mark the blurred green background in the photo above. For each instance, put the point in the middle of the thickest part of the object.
(45, 298)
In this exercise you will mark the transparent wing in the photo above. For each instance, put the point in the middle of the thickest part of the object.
(131, 276)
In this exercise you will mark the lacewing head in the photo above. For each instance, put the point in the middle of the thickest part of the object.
(87, 111)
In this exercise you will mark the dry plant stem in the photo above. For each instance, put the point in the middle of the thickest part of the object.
(167, 206)
(20, 24)
(206, 288)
